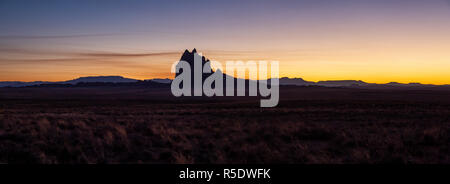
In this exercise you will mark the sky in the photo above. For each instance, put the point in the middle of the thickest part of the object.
(376, 41)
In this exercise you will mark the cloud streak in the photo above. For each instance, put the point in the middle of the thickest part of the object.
(121, 55)
(25, 59)
(19, 37)
(72, 62)
(91, 54)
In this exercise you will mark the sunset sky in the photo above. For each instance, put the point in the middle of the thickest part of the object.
(372, 40)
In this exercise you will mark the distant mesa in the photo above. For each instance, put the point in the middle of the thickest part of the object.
(105, 79)
(338, 83)
(295, 81)
(327, 83)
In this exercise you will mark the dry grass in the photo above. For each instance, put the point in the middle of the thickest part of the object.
(298, 131)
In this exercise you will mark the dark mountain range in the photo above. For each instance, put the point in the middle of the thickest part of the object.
(89, 81)
(21, 84)
(163, 81)
(340, 83)
(189, 58)
(118, 80)
(354, 84)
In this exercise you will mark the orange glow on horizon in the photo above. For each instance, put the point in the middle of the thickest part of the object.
(372, 65)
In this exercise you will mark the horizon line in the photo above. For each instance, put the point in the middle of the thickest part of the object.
(328, 80)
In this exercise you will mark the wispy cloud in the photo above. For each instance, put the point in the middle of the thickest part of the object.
(72, 62)
(14, 37)
(88, 54)
(26, 51)
(88, 35)
(102, 54)
(21, 58)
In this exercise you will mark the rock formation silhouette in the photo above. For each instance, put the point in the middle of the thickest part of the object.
(189, 57)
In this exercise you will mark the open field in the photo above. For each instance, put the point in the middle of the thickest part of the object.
(145, 125)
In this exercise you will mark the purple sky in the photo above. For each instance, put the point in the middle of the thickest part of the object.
(376, 41)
